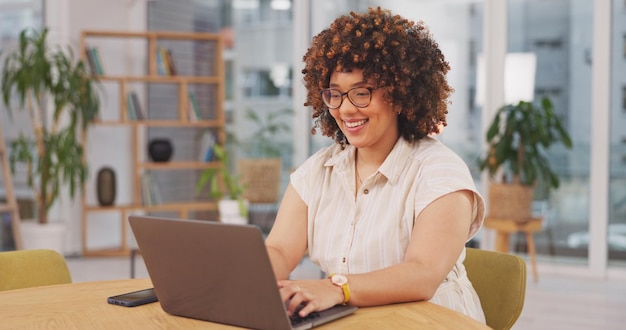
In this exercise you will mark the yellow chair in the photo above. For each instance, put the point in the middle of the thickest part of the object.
(29, 268)
(500, 281)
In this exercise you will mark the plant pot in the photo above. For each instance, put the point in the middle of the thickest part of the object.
(160, 150)
(230, 212)
(510, 202)
(43, 236)
(261, 177)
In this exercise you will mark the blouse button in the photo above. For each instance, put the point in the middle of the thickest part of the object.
(343, 260)
(366, 191)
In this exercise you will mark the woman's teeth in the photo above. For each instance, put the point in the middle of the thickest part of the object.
(353, 124)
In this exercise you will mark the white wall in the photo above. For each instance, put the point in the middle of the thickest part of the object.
(66, 19)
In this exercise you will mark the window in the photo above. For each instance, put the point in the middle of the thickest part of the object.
(551, 92)
(15, 16)
(258, 83)
(624, 99)
(555, 43)
(262, 83)
(472, 51)
(18, 15)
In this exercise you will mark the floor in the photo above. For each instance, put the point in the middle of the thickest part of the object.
(554, 303)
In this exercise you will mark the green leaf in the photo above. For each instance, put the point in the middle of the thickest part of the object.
(222, 174)
(519, 136)
(33, 75)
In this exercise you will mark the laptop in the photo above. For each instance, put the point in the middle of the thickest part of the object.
(216, 272)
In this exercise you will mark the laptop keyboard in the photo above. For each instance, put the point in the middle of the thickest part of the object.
(297, 319)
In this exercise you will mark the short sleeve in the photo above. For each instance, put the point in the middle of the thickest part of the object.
(442, 173)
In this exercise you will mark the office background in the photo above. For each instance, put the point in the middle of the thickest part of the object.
(580, 47)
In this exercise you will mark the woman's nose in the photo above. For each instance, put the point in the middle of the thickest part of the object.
(346, 104)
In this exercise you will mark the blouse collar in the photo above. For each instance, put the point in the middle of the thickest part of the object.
(391, 168)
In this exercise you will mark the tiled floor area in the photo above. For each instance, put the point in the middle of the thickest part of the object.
(558, 302)
(554, 303)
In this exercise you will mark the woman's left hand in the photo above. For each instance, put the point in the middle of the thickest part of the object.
(315, 295)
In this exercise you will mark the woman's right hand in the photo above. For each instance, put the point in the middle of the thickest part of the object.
(315, 295)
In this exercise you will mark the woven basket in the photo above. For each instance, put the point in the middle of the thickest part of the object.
(261, 179)
(510, 202)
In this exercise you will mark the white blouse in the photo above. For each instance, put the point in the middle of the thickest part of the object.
(353, 236)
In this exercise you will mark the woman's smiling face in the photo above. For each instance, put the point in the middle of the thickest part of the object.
(375, 125)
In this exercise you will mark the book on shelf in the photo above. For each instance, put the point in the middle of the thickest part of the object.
(207, 141)
(138, 112)
(161, 69)
(150, 193)
(90, 61)
(165, 62)
(97, 60)
(145, 192)
(170, 62)
(131, 113)
(194, 108)
(94, 61)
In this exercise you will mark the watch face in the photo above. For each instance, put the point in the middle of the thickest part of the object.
(339, 279)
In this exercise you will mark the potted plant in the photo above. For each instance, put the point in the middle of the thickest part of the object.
(226, 188)
(518, 139)
(59, 95)
(261, 167)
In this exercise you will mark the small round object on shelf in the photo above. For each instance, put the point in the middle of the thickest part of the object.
(160, 150)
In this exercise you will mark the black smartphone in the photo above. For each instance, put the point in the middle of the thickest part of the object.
(132, 299)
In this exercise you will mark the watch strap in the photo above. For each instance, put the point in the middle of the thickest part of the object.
(346, 293)
(344, 287)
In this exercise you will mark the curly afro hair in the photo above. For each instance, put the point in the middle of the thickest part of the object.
(393, 52)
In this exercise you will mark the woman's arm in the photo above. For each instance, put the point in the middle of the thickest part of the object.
(287, 241)
(438, 237)
(437, 240)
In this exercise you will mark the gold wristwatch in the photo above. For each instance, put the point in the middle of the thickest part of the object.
(342, 282)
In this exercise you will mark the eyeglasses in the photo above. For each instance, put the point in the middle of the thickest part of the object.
(359, 96)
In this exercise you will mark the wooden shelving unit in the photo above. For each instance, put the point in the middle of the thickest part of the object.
(183, 81)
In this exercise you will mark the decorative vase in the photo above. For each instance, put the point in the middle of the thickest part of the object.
(106, 186)
(160, 150)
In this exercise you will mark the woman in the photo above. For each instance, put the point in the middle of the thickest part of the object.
(386, 210)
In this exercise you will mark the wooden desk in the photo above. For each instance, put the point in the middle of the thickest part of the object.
(84, 306)
(505, 227)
